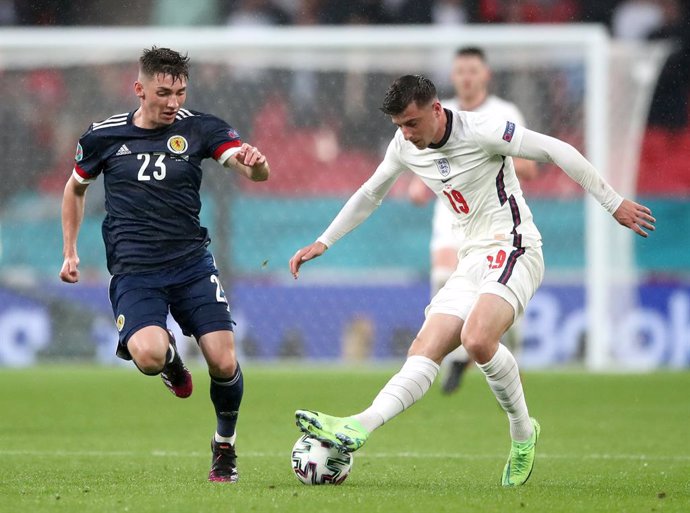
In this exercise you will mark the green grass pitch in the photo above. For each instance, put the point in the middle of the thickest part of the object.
(85, 439)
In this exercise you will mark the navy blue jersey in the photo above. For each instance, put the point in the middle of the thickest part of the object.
(152, 180)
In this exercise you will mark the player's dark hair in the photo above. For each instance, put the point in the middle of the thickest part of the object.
(405, 90)
(471, 51)
(166, 61)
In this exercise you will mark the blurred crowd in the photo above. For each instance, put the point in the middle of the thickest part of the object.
(298, 116)
(627, 18)
(278, 113)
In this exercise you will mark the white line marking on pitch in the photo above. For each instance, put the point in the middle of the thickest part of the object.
(414, 455)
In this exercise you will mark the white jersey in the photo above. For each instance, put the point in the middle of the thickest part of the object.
(470, 175)
(472, 172)
(445, 231)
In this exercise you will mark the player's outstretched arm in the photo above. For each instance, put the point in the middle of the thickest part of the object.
(73, 200)
(250, 162)
(543, 148)
(358, 208)
(313, 250)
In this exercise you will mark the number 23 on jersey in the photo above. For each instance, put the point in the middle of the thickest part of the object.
(159, 170)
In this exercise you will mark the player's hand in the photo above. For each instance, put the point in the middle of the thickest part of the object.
(635, 216)
(69, 272)
(305, 254)
(250, 156)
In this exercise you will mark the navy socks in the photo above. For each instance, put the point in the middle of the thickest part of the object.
(226, 396)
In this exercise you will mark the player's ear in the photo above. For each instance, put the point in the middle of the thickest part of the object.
(139, 89)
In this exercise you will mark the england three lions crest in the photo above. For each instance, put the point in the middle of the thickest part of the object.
(443, 166)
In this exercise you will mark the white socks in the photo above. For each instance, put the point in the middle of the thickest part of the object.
(416, 376)
(504, 379)
(402, 391)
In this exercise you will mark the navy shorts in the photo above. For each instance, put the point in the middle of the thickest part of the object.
(191, 292)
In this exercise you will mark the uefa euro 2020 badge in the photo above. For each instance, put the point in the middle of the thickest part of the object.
(79, 153)
(177, 144)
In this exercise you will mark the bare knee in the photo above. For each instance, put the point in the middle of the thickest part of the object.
(479, 346)
(150, 362)
(223, 364)
(149, 355)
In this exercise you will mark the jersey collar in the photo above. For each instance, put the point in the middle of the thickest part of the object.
(446, 134)
(130, 122)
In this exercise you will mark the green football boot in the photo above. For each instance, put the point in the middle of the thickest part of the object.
(521, 459)
(344, 433)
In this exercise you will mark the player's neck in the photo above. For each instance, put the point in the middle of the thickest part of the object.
(441, 132)
(140, 120)
(472, 103)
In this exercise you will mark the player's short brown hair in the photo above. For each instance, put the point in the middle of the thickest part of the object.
(405, 90)
(471, 51)
(156, 60)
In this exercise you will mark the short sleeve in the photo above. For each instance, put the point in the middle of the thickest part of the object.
(222, 140)
(88, 159)
(498, 136)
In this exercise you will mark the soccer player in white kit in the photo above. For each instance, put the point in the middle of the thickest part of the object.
(470, 76)
(466, 159)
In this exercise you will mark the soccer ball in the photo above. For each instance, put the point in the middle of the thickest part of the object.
(316, 463)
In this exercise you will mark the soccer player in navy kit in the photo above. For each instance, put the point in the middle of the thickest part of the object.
(155, 245)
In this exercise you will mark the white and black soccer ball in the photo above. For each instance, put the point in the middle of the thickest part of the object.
(316, 463)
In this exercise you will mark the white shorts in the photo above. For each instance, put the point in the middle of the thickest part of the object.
(444, 231)
(501, 269)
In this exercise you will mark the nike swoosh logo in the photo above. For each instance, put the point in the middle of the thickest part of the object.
(444, 181)
(350, 428)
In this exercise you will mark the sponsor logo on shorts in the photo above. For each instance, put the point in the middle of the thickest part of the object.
(79, 153)
(232, 133)
(443, 166)
(509, 131)
(177, 144)
(120, 323)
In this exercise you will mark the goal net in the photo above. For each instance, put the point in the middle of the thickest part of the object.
(309, 98)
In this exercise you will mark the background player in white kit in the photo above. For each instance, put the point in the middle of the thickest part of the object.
(470, 76)
(465, 158)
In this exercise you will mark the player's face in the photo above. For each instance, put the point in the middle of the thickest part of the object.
(161, 97)
(421, 125)
(470, 77)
